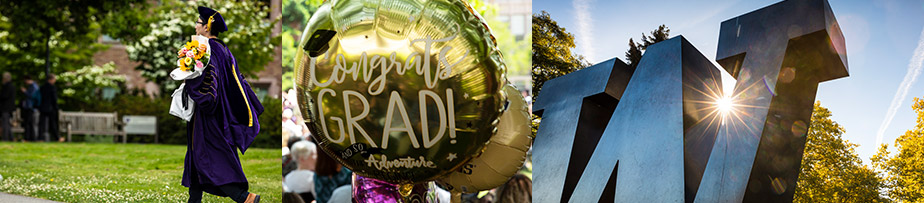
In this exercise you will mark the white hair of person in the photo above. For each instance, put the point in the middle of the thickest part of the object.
(303, 149)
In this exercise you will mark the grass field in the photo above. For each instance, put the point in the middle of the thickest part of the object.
(81, 172)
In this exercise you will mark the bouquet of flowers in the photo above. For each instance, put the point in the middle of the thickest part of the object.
(192, 59)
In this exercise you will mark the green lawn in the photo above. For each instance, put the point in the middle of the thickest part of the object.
(81, 172)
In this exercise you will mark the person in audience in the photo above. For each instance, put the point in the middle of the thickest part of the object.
(342, 194)
(329, 175)
(301, 180)
(48, 119)
(7, 106)
(518, 189)
(27, 106)
(288, 197)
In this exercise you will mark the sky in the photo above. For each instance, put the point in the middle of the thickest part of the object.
(885, 50)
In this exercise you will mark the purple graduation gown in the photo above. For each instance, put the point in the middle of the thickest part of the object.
(224, 120)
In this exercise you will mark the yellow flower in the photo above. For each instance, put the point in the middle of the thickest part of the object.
(183, 67)
(192, 45)
(188, 61)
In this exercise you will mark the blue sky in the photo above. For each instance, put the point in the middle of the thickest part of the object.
(882, 38)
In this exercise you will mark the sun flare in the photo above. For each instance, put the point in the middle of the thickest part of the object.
(724, 104)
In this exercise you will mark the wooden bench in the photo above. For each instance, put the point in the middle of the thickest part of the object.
(140, 125)
(86, 123)
(92, 123)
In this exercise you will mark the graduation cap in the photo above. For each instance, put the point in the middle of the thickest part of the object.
(212, 19)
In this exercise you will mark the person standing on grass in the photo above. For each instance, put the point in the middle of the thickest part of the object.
(7, 106)
(30, 100)
(224, 120)
(48, 120)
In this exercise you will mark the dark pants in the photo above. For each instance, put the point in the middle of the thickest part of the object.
(28, 124)
(7, 131)
(234, 191)
(48, 122)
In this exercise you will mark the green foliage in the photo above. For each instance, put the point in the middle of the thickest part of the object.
(904, 171)
(516, 52)
(249, 36)
(295, 15)
(634, 54)
(69, 29)
(83, 86)
(172, 130)
(270, 124)
(551, 55)
(831, 169)
(551, 52)
(81, 172)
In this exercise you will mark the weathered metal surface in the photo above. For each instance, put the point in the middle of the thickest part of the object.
(574, 110)
(643, 145)
(778, 54)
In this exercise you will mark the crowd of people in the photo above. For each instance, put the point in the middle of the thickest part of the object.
(32, 100)
(309, 174)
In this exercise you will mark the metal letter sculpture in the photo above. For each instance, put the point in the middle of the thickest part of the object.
(779, 54)
(665, 141)
(577, 106)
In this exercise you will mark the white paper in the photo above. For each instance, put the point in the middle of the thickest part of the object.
(176, 104)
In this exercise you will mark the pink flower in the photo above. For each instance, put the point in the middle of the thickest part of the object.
(190, 54)
(182, 52)
(199, 64)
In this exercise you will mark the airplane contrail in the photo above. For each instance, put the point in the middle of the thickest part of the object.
(585, 28)
(914, 70)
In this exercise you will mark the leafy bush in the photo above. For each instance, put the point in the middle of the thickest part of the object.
(172, 130)
(82, 87)
(270, 124)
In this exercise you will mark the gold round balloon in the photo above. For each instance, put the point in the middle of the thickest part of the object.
(404, 91)
(503, 156)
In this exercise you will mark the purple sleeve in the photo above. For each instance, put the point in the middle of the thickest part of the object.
(203, 90)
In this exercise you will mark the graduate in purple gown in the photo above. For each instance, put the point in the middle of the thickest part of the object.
(224, 120)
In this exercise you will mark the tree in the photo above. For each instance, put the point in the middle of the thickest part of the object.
(295, 16)
(249, 37)
(515, 51)
(904, 172)
(634, 55)
(552, 55)
(83, 86)
(54, 36)
(831, 169)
